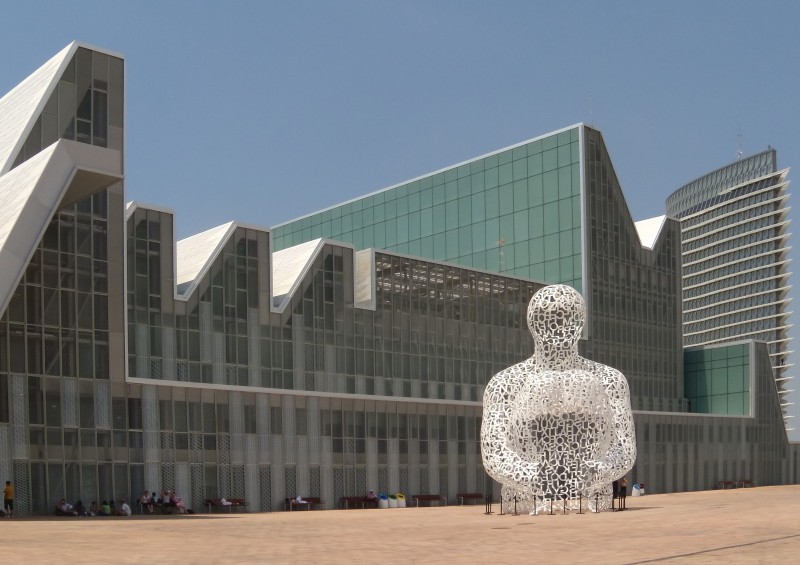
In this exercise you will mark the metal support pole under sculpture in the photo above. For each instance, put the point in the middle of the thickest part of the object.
(556, 424)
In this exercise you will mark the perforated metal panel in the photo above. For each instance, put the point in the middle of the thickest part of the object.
(230, 375)
(19, 421)
(404, 481)
(349, 452)
(237, 481)
(338, 483)
(182, 371)
(265, 487)
(361, 484)
(22, 491)
(315, 488)
(224, 469)
(198, 485)
(252, 487)
(167, 445)
(196, 447)
(155, 368)
(236, 416)
(168, 476)
(443, 482)
(5, 451)
(290, 481)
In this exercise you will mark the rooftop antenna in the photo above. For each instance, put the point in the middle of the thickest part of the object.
(739, 151)
(590, 109)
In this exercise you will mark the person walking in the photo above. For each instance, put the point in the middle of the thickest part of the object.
(8, 499)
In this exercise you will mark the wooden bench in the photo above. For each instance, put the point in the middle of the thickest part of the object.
(429, 498)
(347, 502)
(744, 483)
(308, 503)
(240, 503)
(726, 484)
(462, 496)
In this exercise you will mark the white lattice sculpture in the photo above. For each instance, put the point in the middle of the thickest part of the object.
(557, 428)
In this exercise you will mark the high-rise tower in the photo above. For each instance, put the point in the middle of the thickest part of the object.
(735, 247)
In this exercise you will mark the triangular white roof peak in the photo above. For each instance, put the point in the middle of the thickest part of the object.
(194, 254)
(289, 266)
(20, 107)
(649, 230)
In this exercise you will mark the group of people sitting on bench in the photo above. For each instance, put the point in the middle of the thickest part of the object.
(168, 503)
(107, 508)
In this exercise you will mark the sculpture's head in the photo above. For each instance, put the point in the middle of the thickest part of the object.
(556, 315)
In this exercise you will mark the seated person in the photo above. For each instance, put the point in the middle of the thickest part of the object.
(155, 501)
(180, 505)
(105, 509)
(146, 501)
(167, 501)
(80, 509)
(124, 509)
(372, 498)
(64, 508)
(299, 500)
(94, 509)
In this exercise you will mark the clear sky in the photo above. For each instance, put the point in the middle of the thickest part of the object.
(265, 111)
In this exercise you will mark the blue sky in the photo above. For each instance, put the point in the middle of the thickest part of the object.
(265, 111)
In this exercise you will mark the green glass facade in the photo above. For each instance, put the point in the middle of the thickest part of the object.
(717, 379)
(516, 211)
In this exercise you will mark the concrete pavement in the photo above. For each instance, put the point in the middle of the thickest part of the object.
(754, 525)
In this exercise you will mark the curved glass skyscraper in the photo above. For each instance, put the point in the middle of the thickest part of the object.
(735, 247)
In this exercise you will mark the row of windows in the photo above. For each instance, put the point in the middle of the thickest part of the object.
(760, 224)
(718, 292)
(717, 321)
(699, 191)
(747, 301)
(763, 330)
(735, 217)
(738, 253)
(724, 273)
(736, 203)
(766, 275)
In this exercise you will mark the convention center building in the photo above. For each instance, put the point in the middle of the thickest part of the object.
(344, 351)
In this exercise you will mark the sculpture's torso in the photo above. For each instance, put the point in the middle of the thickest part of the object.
(560, 421)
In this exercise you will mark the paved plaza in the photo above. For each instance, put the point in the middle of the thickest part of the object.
(754, 525)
